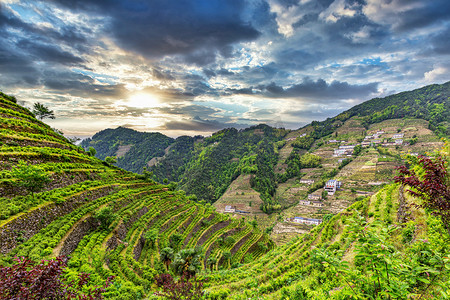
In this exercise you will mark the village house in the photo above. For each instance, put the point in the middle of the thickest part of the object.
(306, 221)
(377, 141)
(398, 142)
(304, 202)
(314, 197)
(306, 181)
(365, 144)
(317, 203)
(230, 209)
(331, 186)
(333, 141)
(397, 136)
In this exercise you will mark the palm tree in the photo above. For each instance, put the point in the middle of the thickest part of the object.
(166, 256)
(187, 262)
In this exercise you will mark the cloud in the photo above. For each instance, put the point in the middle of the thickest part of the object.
(437, 74)
(159, 28)
(321, 90)
(403, 15)
(337, 10)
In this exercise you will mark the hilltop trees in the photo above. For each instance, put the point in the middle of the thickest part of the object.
(41, 111)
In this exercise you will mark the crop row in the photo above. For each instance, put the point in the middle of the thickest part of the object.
(24, 126)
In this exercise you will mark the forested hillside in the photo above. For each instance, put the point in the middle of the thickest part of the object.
(132, 148)
(56, 199)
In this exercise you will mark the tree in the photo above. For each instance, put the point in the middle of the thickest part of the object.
(110, 160)
(150, 237)
(30, 177)
(211, 262)
(166, 256)
(92, 151)
(105, 216)
(357, 150)
(187, 262)
(429, 180)
(227, 256)
(28, 280)
(41, 111)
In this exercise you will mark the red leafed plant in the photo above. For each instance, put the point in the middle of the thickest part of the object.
(187, 287)
(432, 185)
(28, 280)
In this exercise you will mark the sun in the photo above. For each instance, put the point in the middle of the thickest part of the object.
(142, 100)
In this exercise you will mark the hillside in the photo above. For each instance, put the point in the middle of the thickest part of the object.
(107, 220)
(133, 149)
(378, 248)
(265, 172)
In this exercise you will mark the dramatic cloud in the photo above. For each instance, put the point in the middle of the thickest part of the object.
(320, 90)
(188, 67)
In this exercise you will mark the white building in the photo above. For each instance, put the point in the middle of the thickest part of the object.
(317, 203)
(307, 181)
(331, 186)
(306, 221)
(304, 202)
(314, 197)
(230, 209)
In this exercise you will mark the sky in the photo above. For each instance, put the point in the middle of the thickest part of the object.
(188, 67)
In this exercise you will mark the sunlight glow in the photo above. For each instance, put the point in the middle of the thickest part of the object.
(142, 100)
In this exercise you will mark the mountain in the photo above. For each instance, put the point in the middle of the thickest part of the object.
(133, 149)
(267, 160)
(57, 199)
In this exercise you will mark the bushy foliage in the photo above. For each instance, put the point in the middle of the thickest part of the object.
(44, 280)
(429, 180)
(186, 287)
(31, 177)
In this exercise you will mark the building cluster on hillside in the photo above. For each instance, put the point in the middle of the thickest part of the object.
(232, 209)
(311, 203)
(344, 150)
(374, 139)
(306, 221)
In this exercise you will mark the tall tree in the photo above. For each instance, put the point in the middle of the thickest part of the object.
(41, 111)
(166, 256)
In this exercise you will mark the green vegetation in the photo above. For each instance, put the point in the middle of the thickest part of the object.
(42, 112)
(30, 177)
(143, 146)
(56, 199)
(114, 223)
